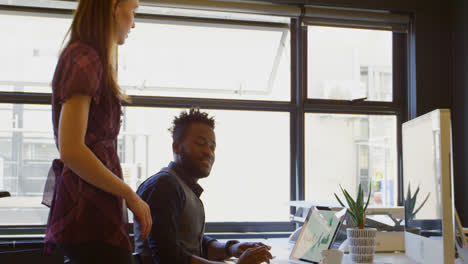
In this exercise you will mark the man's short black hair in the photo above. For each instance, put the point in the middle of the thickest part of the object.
(181, 123)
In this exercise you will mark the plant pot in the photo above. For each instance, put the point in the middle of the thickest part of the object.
(361, 243)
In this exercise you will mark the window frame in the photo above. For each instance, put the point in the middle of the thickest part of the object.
(398, 107)
(297, 107)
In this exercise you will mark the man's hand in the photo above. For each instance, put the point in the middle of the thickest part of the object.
(255, 255)
(239, 248)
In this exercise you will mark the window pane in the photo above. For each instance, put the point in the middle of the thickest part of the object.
(30, 51)
(349, 64)
(27, 149)
(178, 60)
(250, 178)
(243, 185)
(347, 150)
(189, 60)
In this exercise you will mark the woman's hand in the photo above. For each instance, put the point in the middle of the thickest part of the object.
(142, 213)
(255, 256)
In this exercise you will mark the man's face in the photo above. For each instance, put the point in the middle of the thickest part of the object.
(197, 151)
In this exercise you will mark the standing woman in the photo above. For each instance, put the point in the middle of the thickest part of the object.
(87, 214)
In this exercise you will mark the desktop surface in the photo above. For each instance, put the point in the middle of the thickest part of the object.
(281, 249)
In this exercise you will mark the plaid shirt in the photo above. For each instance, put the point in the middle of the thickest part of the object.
(81, 212)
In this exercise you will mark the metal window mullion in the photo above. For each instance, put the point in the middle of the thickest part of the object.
(357, 18)
(301, 95)
(411, 92)
(221, 104)
(255, 8)
(153, 18)
(351, 109)
(293, 115)
(209, 22)
(400, 88)
(24, 98)
(169, 102)
(36, 11)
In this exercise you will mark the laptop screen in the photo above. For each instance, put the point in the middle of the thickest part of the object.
(318, 232)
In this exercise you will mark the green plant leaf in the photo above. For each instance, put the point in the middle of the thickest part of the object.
(408, 193)
(422, 204)
(337, 198)
(351, 203)
(410, 203)
(359, 197)
(356, 207)
(353, 218)
(416, 194)
(368, 197)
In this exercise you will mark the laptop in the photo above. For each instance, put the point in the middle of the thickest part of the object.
(318, 233)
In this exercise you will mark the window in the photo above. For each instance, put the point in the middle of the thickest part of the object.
(29, 53)
(206, 61)
(348, 150)
(350, 133)
(221, 61)
(349, 64)
(247, 183)
(27, 148)
(300, 107)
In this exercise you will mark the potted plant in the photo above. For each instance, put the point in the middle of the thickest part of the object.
(410, 204)
(361, 240)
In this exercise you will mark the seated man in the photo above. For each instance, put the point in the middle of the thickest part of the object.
(177, 235)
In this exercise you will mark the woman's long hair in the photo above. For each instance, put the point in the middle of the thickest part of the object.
(93, 24)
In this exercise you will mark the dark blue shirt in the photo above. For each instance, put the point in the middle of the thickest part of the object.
(166, 200)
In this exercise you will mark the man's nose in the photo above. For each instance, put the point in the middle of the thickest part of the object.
(208, 151)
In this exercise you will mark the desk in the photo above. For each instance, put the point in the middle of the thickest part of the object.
(280, 248)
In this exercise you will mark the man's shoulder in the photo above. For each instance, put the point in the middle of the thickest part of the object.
(160, 180)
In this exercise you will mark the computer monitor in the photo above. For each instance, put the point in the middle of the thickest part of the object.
(318, 233)
(429, 219)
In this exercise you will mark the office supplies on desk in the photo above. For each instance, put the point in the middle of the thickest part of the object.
(390, 235)
(281, 249)
(318, 233)
(302, 210)
(331, 256)
(387, 221)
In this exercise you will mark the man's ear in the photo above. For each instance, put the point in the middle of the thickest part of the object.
(176, 148)
(114, 7)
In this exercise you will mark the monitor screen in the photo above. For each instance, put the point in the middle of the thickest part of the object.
(427, 188)
(317, 233)
(422, 175)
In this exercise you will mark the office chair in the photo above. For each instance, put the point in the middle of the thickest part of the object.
(137, 258)
(4, 194)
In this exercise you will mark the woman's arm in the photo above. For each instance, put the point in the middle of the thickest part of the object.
(81, 160)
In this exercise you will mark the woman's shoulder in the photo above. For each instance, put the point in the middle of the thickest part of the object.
(78, 49)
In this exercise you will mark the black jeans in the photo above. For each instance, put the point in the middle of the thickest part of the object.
(95, 253)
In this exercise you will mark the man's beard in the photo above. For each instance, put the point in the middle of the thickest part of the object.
(189, 166)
